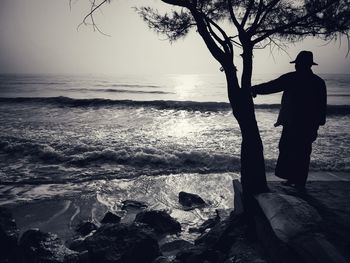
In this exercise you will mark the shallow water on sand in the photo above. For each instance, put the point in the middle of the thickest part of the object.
(59, 208)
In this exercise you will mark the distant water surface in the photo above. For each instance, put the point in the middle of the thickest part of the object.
(73, 132)
(200, 88)
(78, 128)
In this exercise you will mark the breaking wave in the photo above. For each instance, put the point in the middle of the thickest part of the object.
(126, 161)
(146, 158)
(158, 104)
(128, 86)
(121, 91)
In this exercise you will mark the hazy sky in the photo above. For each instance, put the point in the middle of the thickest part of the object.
(40, 36)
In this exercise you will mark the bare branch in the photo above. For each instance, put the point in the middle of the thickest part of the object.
(226, 43)
(182, 3)
(257, 16)
(212, 32)
(216, 51)
(233, 17)
(264, 12)
(259, 23)
(247, 12)
(90, 15)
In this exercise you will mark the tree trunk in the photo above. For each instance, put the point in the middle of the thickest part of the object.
(253, 176)
(252, 151)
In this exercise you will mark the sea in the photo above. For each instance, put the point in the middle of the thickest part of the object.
(69, 140)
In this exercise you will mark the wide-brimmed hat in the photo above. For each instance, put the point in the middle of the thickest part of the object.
(305, 57)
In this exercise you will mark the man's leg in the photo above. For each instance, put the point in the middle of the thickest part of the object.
(302, 164)
(284, 160)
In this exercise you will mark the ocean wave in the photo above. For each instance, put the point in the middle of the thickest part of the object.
(158, 158)
(120, 91)
(135, 161)
(10, 83)
(127, 85)
(158, 104)
(83, 155)
(340, 95)
(40, 151)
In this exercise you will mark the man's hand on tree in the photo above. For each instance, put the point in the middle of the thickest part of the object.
(253, 92)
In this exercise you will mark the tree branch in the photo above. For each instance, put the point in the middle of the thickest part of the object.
(216, 51)
(247, 12)
(94, 7)
(182, 3)
(262, 11)
(174, 26)
(233, 17)
(217, 38)
(226, 43)
(281, 29)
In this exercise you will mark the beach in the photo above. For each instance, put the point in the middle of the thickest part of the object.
(63, 210)
(76, 147)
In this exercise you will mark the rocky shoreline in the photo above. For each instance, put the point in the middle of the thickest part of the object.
(288, 227)
(152, 236)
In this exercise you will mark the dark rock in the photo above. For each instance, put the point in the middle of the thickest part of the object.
(211, 222)
(132, 208)
(223, 234)
(131, 204)
(163, 259)
(86, 228)
(175, 246)
(200, 254)
(8, 236)
(191, 201)
(314, 247)
(289, 216)
(121, 243)
(160, 221)
(75, 244)
(82, 257)
(246, 250)
(37, 246)
(111, 218)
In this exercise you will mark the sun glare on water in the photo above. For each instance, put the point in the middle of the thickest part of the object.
(186, 86)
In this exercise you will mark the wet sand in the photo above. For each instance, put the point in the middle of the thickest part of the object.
(60, 208)
(327, 192)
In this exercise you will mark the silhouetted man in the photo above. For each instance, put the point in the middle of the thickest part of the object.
(303, 110)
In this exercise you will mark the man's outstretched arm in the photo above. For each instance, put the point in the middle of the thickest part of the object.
(272, 86)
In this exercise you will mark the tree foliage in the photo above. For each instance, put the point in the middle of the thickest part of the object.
(245, 23)
(173, 26)
(262, 20)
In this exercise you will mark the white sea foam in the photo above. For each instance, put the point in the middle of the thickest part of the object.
(69, 129)
(90, 200)
(41, 144)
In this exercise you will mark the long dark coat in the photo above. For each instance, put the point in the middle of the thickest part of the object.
(303, 110)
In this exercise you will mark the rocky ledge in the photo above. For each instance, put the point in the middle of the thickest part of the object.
(142, 240)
